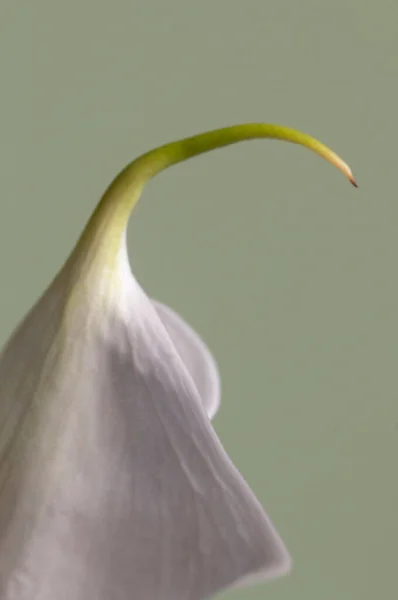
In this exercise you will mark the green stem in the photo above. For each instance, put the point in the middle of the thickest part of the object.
(109, 220)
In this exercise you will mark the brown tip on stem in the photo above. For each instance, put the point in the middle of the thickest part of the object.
(354, 183)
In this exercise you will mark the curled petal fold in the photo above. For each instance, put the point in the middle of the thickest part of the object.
(196, 357)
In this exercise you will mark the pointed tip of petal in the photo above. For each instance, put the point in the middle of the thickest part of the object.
(280, 566)
(353, 181)
(348, 173)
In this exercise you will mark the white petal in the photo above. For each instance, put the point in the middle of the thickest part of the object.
(196, 357)
(113, 483)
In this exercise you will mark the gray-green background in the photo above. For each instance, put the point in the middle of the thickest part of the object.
(286, 270)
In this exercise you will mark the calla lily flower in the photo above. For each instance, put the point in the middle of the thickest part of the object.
(113, 482)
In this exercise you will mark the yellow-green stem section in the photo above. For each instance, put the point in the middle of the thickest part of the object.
(108, 223)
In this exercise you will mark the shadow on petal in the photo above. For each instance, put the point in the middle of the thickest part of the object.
(196, 356)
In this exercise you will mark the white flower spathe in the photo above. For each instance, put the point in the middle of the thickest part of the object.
(113, 482)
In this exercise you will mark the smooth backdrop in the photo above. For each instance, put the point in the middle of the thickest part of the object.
(288, 272)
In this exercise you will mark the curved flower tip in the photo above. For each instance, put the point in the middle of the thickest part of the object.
(104, 232)
(113, 482)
